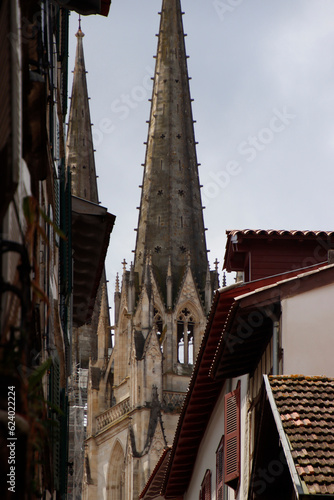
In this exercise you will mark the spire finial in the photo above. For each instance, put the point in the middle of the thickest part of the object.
(79, 33)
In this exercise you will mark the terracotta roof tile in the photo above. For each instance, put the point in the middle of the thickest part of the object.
(277, 232)
(306, 406)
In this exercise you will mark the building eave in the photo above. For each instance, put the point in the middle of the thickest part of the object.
(235, 357)
(236, 242)
(153, 485)
(87, 7)
(92, 225)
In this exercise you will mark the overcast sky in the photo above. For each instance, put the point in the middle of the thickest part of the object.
(263, 88)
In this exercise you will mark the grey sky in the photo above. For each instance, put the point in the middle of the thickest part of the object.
(263, 88)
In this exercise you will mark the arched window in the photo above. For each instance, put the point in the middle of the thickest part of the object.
(116, 483)
(157, 321)
(185, 337)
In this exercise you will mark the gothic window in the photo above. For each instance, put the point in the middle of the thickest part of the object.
(185, 337)
(109, 396)
(116, 483)
(157, 321)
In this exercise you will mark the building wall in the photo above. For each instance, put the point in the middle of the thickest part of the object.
(206, 457)
(307, 332)
(34, 65)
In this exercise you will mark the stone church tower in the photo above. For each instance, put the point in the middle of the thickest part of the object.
(161, 300)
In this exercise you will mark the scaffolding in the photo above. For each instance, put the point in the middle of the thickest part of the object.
(77, 430)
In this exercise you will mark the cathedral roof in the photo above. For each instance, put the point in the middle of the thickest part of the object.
(170, 220)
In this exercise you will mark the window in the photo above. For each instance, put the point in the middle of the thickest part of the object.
(232, 438)
(185, 337)
(220, 470)
(205, 493)
(157, 321)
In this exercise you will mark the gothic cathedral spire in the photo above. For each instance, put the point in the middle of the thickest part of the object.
(170, 221)
(79, 146)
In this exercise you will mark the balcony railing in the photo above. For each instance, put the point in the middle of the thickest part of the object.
(172, 400)
(114, 413)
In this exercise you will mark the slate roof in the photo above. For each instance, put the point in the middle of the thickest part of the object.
(306, 407)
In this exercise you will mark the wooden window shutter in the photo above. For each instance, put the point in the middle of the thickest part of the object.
(205, 493)
(232, 438)
(220, 470)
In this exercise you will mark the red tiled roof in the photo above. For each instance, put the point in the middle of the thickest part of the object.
(306, 407)
(264, 252)
(278, 232)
